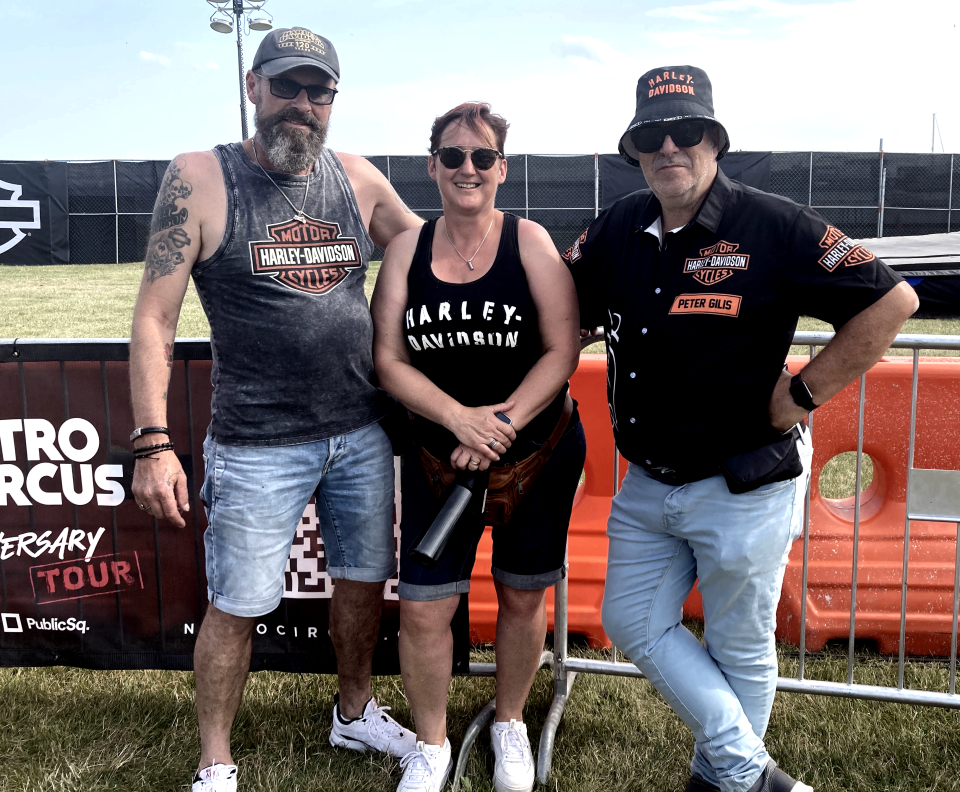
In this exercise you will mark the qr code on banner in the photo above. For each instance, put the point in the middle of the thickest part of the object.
(306, 575)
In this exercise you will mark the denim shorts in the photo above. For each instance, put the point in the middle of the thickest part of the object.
(528, 553)
(255, 499)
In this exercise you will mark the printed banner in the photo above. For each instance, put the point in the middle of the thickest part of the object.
(34, 226)
(89, 580)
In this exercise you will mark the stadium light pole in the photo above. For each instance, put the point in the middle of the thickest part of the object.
(251, 12)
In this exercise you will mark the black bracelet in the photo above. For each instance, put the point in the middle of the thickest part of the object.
(148, 430)
(139, 453)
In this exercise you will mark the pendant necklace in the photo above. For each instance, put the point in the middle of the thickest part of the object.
(468, 260)
(299, 216)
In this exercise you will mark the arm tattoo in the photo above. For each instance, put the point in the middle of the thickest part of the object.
(168, 354)
(163, 252)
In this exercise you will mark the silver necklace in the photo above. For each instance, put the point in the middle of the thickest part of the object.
(306, 190)
(468, 260)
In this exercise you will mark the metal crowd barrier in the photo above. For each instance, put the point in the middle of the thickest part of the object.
(932, 495)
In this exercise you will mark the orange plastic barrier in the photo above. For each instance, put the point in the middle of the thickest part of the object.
(882, 518)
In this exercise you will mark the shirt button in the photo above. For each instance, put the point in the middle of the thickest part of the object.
(633, 375)
(656, 291)
(649, 462)
(644, 331)
(633, 420)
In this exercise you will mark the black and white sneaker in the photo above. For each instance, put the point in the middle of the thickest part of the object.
(216, 778)
(374, 730)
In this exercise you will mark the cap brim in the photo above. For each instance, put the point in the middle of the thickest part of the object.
(629, 152)
(278, 66)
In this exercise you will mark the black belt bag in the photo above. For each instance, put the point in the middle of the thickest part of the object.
(778, 461)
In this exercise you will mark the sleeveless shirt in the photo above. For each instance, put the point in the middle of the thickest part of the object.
(476, 341)
(290, 328)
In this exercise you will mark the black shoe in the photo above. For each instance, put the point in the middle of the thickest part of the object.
(697, 784)
(773, 779)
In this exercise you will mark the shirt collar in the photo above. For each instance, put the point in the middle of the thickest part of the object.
(708, 215)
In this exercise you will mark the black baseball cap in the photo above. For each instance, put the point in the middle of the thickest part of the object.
(672, 93)
(283, 49)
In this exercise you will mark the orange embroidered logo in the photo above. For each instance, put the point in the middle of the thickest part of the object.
(309, 257)
(841, 249)
(671, 83)
(720, 304)
(573, 253)
(716, 263)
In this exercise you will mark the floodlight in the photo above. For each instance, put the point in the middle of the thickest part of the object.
(261, 23)
(222, 24)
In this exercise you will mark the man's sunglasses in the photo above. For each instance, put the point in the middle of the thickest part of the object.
(452, 157)
(285, 88)
(684, 134)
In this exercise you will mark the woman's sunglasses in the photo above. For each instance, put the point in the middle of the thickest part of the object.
(684, 134)
(452, 157)
(284, 88)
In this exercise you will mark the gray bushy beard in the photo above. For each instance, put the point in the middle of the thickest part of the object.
(290, 150)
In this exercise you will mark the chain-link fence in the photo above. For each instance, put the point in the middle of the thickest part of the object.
(873, 195)
(864, 194)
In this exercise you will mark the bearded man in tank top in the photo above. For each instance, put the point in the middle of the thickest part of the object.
(276, 232)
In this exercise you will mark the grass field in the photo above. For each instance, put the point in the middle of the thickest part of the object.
(70, 730)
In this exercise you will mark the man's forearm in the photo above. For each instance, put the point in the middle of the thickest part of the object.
(151, 361)
(859, 344)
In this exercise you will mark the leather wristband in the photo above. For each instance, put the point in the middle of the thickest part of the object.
(801, 394)
(142, 430)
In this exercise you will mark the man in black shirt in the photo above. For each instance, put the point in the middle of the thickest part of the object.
(698, 283)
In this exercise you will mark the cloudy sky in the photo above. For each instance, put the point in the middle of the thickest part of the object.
(139, 80)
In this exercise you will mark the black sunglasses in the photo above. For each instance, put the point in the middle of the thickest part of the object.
(684, 134)
(285, 88)
(482, 158)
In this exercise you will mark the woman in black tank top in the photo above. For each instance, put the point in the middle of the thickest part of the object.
(475, 314)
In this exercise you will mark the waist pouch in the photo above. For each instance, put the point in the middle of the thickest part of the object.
(778, 461)
(508, 483)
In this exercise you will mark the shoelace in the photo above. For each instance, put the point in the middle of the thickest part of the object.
(374, 723)
(421, 770)
(511, 743)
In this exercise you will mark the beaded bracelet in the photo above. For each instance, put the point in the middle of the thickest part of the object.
(147, 452)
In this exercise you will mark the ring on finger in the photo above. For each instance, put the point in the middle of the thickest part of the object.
(493, 443)
(143, 507)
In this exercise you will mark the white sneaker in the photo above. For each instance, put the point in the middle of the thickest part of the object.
(216, 778)
(426, 767)
(513, 770)
(372, 731)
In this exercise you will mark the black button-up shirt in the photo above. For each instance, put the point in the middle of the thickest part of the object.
(697, 328)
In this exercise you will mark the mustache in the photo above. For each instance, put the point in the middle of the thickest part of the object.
(293, 115)
(662, 161)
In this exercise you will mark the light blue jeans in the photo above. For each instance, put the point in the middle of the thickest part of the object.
(255, 499)
(662, 539)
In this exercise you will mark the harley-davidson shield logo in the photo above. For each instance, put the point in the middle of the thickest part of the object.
(307, 256)
(717, 263)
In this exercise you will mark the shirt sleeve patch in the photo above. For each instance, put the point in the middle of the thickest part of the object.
(573, 253)
(842, 250)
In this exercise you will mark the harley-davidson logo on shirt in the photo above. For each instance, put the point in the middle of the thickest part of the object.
(716, 263)
(308, 256)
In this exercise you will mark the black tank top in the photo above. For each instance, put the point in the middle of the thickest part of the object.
(476, 341)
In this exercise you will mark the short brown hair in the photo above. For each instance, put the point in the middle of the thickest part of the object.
(476, 116)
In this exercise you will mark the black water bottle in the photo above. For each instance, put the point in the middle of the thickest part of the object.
(468, 487)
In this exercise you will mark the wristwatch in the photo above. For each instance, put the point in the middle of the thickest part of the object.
(801, 394)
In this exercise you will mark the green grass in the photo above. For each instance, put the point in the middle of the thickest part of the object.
(71, 730)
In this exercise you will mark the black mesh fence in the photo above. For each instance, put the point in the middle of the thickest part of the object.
(790, 175)
(863, 194)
